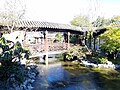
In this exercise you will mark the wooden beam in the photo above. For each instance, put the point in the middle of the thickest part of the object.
(46, 47)
(68, 40)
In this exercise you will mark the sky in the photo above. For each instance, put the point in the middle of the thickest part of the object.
(63, 11)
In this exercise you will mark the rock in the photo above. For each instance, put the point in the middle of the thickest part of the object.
(31, 80)
(28, 67)
(31, 75)
(29, 87)
(17, 88)
(59, 84)
(23, 62)
(23, 87)
(109, 63)
(25, 82)
(33, 66)
(108, 66)
(74, 61)
(32, 63)
(89, 64)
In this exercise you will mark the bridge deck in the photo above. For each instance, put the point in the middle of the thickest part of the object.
(44, 53)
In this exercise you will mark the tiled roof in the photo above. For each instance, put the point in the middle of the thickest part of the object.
(50, 25)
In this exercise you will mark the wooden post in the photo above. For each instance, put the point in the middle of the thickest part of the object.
(85, 38)
(46, 47)
(64, 44)
(99, 42)
(68, 40)
(65, 41)
(90, 40)
(94, 43)
(24, 41)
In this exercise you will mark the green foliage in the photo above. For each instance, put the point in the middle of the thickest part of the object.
(9, 58)
(115, 22)
(115, 19)
(81, 21)
(2, 40)
(111, 41)
(73, 38)
(102, 60)
(101, 22)
(13, 69)
(8, 54)
(58, 37)
(77, 51)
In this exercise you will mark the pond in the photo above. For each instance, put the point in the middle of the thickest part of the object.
(57, 77)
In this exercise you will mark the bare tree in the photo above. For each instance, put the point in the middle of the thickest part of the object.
(13, 11)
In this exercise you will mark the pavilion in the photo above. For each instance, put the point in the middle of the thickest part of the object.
(45, 28)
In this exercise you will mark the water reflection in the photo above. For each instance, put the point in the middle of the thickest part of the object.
(55, 77)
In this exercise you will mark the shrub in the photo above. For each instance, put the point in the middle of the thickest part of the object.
(10, 55)
(102, 60)
(75, 51)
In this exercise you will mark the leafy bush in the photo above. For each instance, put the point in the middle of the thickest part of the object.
(9, 53)
(58, 37)
(111, 44)
(75, 51)
(101, 60)
(18, 71)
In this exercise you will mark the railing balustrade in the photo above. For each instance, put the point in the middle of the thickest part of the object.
(37, 48)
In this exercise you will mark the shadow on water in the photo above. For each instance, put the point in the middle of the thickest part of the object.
(55, 77)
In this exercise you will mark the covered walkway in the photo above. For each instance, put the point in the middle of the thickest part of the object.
(46, 29)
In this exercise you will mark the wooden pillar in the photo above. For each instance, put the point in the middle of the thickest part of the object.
(85, 38)
(1, 34)
(24, 41)
(77, 40)
(94, 43)
(99, 42)
(46, 47)
(64, 44)
(65, 41)
(68, 40)
(90, 40)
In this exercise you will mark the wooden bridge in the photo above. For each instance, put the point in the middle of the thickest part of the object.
(44, 53)
(39, 50)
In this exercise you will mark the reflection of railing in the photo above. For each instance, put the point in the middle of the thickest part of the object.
(37, 48)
